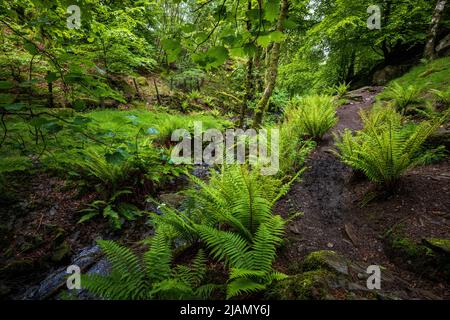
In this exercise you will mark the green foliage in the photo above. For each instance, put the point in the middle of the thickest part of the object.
(112, 210)
(149, 277)
(233, 216)
(315, 115)
(442, 96)
(339, 90)
(402, 96)
(385, 148)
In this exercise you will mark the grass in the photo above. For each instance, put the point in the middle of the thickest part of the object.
(101, 131)
(434, 75)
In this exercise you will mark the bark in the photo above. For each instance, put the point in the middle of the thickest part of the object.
(272, 69)
(430, 47)
(249, 83)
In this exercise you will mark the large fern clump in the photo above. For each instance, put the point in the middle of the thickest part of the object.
(233, 217)
(313, 115)
(402, 97)
(385, 148)
(149, 277)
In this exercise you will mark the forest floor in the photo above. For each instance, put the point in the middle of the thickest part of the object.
(339, 213)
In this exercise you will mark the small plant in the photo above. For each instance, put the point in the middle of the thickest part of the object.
(314, 115)
(442, 96)
(151, 277)
(402, 96)
(385, 148)
(106, 171)
(340, 89)
(111, 210)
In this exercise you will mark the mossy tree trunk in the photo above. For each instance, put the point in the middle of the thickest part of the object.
(249, 80)
(430, 52)
(272, 69)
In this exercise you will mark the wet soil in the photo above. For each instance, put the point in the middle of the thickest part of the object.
(337, 213)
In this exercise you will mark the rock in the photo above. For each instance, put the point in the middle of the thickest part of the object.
(443, 47)
(388, 73)
(306, 286)
(174, 200)
(440, 246)
(328, 275)
(326, 259)
(56, 280)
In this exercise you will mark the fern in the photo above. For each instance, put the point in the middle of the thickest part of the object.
(442, 96)
(151, 277)
(402, 96)
(315, 115)
(234, 219)
(385, 149)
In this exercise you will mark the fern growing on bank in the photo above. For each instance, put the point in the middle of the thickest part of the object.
(402, 97)
(385, 148)
(314, 115)
(151, 277)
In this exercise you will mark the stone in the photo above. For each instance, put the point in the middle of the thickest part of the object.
(174, 200)
(443, 47)
(388, 73)
(326, 259)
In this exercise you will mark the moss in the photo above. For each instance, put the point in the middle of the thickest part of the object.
(405, 246)
(62, 251)
(327, 260)
(410, 248)
(304, 286)
(443, 243)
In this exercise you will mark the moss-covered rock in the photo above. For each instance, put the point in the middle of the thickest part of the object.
(305, 286)
(429, 257)
(326, 259)
(62, 251)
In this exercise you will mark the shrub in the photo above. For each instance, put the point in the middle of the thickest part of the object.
(312, 115)
(385, 148)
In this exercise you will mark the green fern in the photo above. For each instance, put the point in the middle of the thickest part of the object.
(385, 149)
(233, 217)
(402, 96)
(442, 96)
(315, 115)
(150, 277)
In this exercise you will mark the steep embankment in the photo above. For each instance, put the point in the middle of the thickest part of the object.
(337, 217)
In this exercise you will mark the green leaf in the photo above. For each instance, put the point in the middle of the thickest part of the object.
(51, 77)
(15, 107)
(6, 85)
(172, 48)
(78, 120)
(271, 10)
(31, 48)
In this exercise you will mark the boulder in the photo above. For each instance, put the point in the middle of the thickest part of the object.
(388, 73)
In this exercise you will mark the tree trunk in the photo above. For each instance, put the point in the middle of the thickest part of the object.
(430, 52)
(249, 83)
(272, 69)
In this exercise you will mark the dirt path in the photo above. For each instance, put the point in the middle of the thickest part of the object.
(330, 198)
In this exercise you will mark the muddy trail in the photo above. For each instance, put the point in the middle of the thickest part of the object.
(336, 216)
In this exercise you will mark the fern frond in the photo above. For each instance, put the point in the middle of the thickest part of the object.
(243, 286)
(158, 259)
